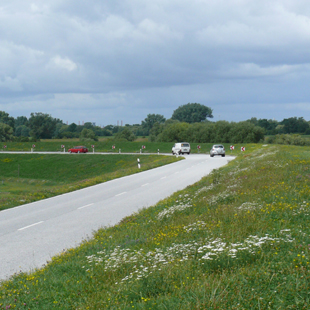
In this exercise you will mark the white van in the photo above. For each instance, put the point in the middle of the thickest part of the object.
(181, 148)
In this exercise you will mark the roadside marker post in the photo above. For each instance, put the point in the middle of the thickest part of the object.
(93, 148)
(232, 147)
(198, 147)
(63, 147)
(242, 148)
(138, 160)
(33, 146)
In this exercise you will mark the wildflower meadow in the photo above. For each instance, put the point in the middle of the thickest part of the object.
(237, 239)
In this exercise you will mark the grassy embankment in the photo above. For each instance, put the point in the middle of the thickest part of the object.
(238, 239)
(29, 177)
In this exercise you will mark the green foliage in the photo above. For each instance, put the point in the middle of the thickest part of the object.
(42, 125)
(21, 120)
(218, 132)
(156, 130)
(22, 131)
(72, 127)
(288, 139)
(87, 135)
(224, 132)
(125, 134)
(245, 132)
(6, 132)
(150, 121)
(295, 125)
(286, 126)
(192, 113)
(174, 132)
(6, 119)
(62, 131)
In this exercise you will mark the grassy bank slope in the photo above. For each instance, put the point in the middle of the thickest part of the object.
(238, 239)
(30, 177)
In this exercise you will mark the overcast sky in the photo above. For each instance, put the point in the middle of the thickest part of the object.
(105, 61)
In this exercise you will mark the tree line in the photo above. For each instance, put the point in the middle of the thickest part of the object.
(188, 122)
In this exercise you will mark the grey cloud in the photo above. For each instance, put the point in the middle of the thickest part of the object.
(134, 54)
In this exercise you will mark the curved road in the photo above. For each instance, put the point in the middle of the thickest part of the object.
(32, 233)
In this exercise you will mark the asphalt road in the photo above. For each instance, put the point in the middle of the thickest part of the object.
(32, 233)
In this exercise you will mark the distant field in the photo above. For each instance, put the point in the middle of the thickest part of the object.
(29, 177)
(238, 239)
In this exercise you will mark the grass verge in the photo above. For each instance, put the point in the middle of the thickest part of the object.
(238, 239)
(26, 178)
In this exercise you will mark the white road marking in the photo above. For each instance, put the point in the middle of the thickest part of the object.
(30, 225)
(145, 184)
(85, 206)
(163, 178)
(120, 194)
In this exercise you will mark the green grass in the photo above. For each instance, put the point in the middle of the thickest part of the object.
(30, 177)
(238, 239)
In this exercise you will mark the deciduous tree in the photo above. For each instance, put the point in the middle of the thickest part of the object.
(150, 121)
(6, 132)
(42, 125)
(6, 119)
(192, 113)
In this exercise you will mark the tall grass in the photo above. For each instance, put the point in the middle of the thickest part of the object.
(238, 239)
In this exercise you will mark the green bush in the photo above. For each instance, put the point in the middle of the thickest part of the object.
(207, 132)
(288, 139)
(125, 135)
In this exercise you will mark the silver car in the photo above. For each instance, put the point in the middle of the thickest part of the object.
(217, 149)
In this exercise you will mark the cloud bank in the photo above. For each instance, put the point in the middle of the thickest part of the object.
(120, 60)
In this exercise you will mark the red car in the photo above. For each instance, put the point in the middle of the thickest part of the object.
(78, 149)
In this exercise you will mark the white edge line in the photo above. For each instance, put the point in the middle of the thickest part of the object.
(30, 225)
(85, 206)
(120, 194)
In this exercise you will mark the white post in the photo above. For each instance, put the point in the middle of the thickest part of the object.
(119, 151)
